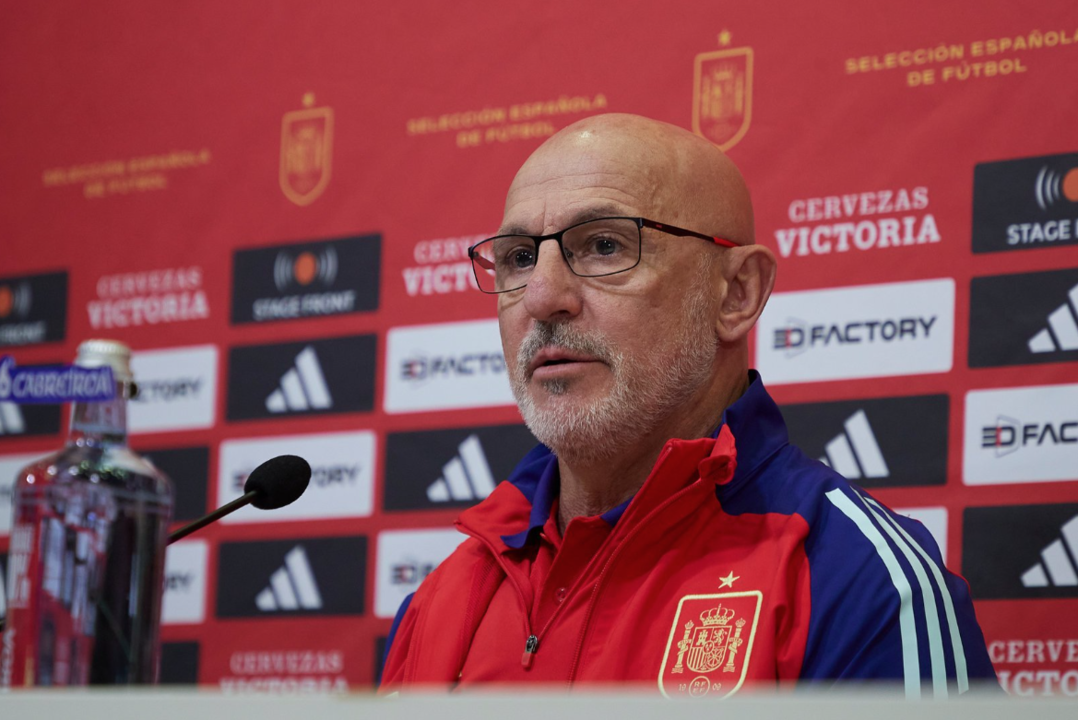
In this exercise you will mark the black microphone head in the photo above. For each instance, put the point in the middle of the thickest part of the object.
(278, 481)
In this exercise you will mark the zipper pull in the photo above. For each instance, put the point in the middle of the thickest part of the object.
(530, 649)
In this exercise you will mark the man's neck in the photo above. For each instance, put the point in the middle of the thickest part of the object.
(592, 488)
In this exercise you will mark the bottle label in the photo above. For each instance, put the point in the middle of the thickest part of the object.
(54, 384)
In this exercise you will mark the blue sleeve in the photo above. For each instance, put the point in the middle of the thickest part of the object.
(392, 634)
(884, 607)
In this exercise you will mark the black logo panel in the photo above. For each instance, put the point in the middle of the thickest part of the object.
(33, 309)
(188, 469)
(304, 280)
(332, 375)
(451, 468)
(302, 576)
(1021, 551)
(1024, 319)
(17, 421)
(179, 663)
(1026, 203)
(883, 442)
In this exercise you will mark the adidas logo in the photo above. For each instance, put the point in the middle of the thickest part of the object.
(1062, 330)
(302, 388)
(1057, 567)
(292, 587)
(465, 477)
(11, 422)
(855, 454)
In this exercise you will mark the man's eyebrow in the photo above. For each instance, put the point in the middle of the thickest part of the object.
(591, 213)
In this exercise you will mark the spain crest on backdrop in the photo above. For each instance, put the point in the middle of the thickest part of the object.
(722, 94)
(306, 151)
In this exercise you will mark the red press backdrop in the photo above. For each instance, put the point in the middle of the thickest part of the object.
(269, 202)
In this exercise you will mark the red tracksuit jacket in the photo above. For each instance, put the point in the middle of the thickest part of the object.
(740, 561)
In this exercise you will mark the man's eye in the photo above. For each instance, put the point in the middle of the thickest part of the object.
(520, 258)
(606, 245)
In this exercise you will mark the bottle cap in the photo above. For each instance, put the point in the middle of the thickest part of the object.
(115, 354)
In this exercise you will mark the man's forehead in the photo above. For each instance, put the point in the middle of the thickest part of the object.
(578, 213)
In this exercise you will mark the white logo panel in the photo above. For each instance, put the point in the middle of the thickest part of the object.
(185, 583)
(857, 332)
(405, 558)
(177, 389)
(342, 475)
(1021, 435)
(935, 521)
(11, 420)
(446, 367)
(10, 465)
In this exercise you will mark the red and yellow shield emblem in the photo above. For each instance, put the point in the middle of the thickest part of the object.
(306, 152)
(710, 644)
(722, 96)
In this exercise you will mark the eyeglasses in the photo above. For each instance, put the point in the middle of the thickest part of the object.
(595, 248)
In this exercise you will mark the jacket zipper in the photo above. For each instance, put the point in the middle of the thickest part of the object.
(531, 645)
(609, 563)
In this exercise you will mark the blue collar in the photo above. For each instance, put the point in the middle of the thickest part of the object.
(754, 420)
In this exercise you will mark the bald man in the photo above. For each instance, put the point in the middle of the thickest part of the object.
(665, 533)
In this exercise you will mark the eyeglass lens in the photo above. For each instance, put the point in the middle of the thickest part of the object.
(598, 247)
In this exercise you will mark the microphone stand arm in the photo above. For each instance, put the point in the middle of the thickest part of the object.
(214, 516)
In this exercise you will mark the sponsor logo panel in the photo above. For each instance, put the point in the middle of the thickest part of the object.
(28, 420)
(935, 521)
(1024, 319)
(304, 280)
(379, 657)
(1021, 551)
(1021, 435)
(152, 297)
(405, 558)
(446, 367)
(293, 577)
(177, 389)
(342, 475)
(179, 663)
(857, 332)
(331, 375)
(185, 583)
(1025, 203)
(451, 468)
(188, 468)
(33, 309)
(880, 442)
(10, 467)
(3, 587)
(858, 221)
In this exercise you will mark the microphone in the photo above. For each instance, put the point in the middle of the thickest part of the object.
(273, 484)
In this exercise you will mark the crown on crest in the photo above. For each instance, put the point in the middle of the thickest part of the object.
(716, 616)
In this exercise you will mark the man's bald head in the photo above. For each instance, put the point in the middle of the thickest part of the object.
(679, 177)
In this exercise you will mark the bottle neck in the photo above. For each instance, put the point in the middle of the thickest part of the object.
(100, 423)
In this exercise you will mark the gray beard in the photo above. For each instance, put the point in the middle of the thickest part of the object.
(647, 390)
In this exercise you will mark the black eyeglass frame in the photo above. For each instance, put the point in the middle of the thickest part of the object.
(641, 223)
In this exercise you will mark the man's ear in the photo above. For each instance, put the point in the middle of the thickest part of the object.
(749, 275)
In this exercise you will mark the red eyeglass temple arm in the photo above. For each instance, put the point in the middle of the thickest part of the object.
(683, 232)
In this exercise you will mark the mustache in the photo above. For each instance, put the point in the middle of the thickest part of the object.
(545, 334)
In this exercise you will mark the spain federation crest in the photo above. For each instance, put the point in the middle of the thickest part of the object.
(306, 151)
(722, 94)
(710, 644)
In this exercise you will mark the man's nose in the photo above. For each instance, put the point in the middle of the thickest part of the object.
(553, 290)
